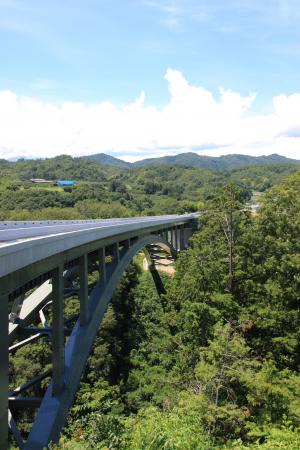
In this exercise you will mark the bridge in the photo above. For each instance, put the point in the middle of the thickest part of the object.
(42, 266)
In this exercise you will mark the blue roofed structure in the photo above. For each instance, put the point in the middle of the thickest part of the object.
(65, 183)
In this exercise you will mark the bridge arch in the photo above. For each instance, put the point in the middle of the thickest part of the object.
(49, 263)
(55, 405)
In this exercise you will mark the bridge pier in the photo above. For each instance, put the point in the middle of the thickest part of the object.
(171, 239)
(165, 235)
(43, 268)
(176, 235)
(58, 339)
(115, 253)
(182, 246)
(126, 244)
(102, 265)
(84, 290)
(3, 371)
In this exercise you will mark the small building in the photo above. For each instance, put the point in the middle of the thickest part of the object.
(40, 180)
(65, 183)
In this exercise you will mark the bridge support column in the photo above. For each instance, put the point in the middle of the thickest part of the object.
(181, 237)
(187, 233)
(84, 290)
(171, 240)
(173, 237)
(102, 265)
(58, 341)
(165, 235)
(115, 253)
(3, 371)
(126, 246)
(176, 238)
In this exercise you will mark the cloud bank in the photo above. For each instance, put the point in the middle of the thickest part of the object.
(192, 120)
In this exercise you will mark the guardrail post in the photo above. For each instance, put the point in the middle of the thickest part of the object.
(58, 331)
(102, 265)
(84, 290)
(3, 370)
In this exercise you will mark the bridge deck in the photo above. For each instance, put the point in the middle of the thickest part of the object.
(23, 244)
(40, 263)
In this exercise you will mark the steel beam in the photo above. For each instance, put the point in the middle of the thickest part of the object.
(30, 383)
(176, 237)
(65, 246)
(3, 370)
(115, 253)
(14, 430)
(84, 289)
(166, 234)
(102, 265)
(30, 306)
(53, 411)
(25, 342)
(58, 340)
(37, 268)
(24, 402)
(172, 237)
(126, 244)
(182, 244)
(188, 232)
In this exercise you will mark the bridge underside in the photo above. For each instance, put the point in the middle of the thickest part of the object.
(89, 274)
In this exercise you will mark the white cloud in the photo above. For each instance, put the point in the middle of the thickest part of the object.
(192, 120)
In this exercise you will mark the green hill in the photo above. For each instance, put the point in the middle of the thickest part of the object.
(108, 160)
(191, 159)
(109, 191)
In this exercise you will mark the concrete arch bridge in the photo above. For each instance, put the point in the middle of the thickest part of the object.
(42, 265)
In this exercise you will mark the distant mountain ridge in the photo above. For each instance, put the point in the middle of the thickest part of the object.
(191, 159)
(107, 160)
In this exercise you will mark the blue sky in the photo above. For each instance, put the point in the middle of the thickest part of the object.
(95, 51)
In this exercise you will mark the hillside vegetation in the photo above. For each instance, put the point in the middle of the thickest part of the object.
(215, 362)
(190, 159)
(212, 364)
(106, 191)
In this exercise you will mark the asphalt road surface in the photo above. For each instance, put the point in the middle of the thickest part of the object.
(18, 231)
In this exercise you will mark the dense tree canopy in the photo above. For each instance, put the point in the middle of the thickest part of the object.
(214, 362)
(149, 190)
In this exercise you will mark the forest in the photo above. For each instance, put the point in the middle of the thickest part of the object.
(214, 362)
(106, 191)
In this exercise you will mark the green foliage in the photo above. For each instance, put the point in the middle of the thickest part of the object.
(149, 190)
(213, 363)
(227, 162)
(154, 429)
